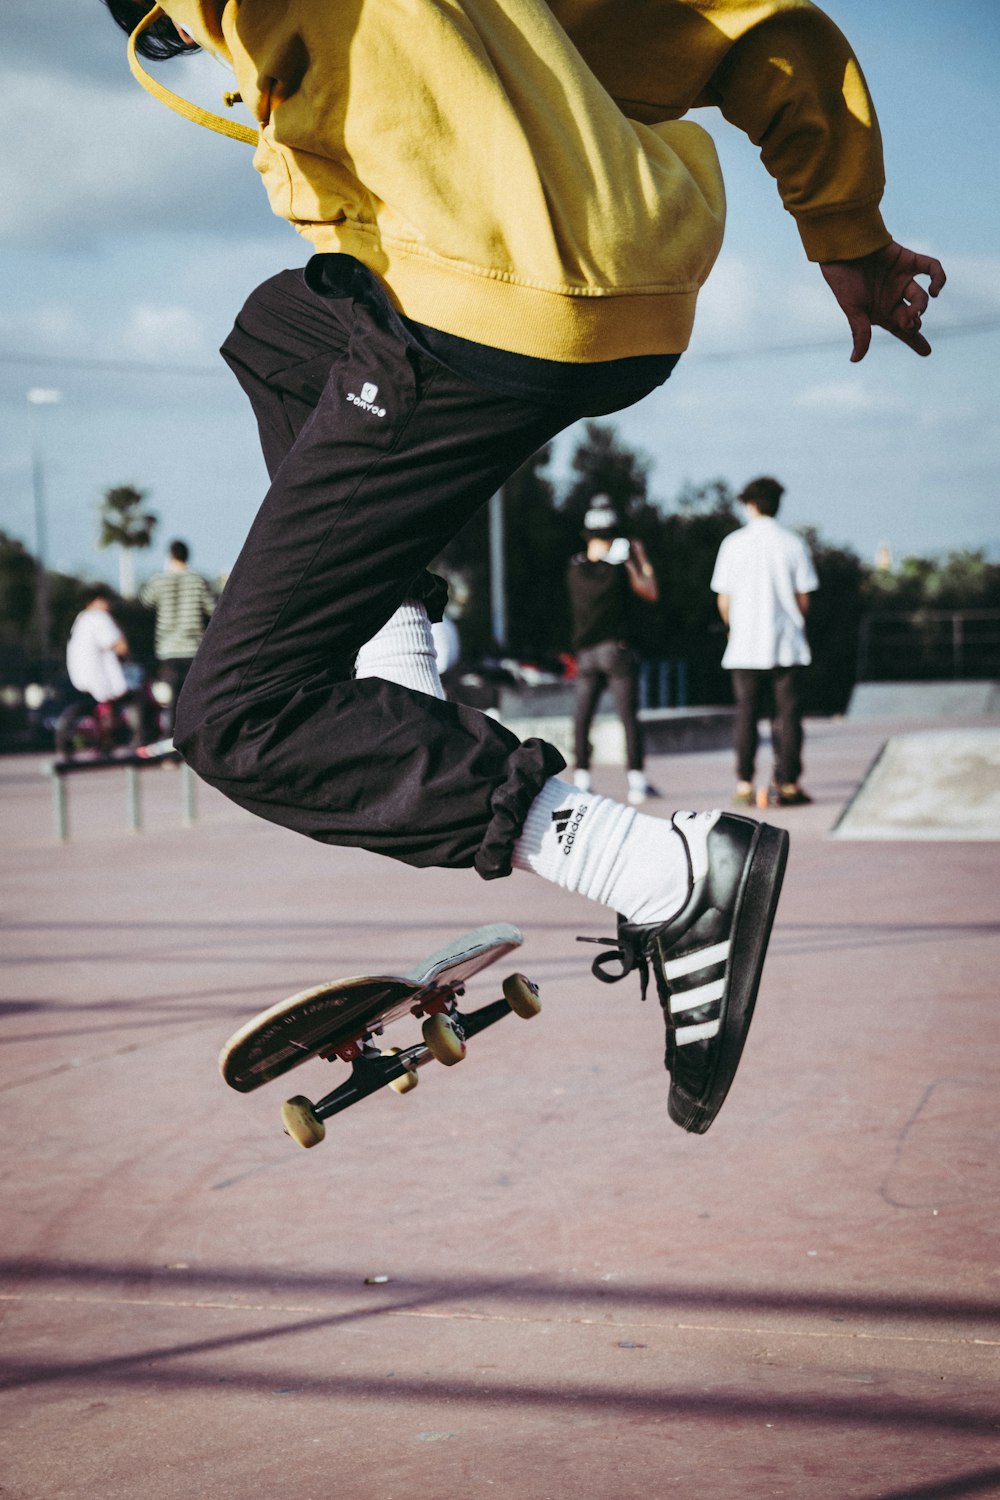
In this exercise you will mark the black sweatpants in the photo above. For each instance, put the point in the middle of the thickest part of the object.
(614, 663)
(378, 455)
(172, 670)
(774, 692)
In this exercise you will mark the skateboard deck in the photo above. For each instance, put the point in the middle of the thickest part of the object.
(341, 1018)
(158, 750)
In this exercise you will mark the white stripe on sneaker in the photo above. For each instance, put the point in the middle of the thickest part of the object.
(691, 999)
(701, 1033)
(703, 958)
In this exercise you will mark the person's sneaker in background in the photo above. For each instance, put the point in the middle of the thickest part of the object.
(639, 789)
(790, 796)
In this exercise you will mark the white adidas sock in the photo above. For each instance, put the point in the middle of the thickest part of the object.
(609, 853)
(403, 651)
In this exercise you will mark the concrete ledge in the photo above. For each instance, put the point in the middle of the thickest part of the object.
(937, 784)
(925, 700)
(667, 731)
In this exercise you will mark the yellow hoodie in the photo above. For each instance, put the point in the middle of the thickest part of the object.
(518, 174)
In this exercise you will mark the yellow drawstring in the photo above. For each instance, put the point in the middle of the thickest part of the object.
(174, 101)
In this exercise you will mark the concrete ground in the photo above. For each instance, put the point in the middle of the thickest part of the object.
(521, 1280)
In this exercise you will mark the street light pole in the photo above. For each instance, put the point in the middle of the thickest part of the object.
(38, 397)
(498, 570)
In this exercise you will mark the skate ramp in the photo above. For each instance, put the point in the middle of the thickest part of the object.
(936, 784)
(925, 700)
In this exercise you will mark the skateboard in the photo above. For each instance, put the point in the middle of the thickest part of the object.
(158, 750)
(341, 1019)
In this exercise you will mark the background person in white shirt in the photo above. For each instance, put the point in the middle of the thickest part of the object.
(763, 578)
(94, 655)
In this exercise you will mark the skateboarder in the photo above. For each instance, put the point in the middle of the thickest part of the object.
(510, 224)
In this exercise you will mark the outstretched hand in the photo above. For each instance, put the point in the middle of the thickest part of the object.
(879, 290)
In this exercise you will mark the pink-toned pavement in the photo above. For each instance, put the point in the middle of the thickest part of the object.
(521, 1280)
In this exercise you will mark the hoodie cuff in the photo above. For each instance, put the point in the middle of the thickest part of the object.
(844, 235)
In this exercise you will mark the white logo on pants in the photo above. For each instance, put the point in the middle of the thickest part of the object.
(367, 399)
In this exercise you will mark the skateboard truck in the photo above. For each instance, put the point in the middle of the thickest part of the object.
(445, 1032)
(341, 1018)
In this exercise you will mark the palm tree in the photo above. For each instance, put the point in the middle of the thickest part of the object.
(125, 526)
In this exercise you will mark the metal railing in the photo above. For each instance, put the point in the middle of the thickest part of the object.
(59, 770)
(929, 645)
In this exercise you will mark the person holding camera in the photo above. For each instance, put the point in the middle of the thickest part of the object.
(602, 582)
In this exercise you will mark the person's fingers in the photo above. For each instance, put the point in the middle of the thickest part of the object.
(861, 330)
(913, 339)
(928, 266)
(915, 295)
(903, 319)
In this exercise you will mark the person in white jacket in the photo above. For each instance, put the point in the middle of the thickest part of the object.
(94, 656)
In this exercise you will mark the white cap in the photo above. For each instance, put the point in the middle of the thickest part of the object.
(601, 516)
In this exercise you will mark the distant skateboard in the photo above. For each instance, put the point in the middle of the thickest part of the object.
(158, 750)
(340, 1019)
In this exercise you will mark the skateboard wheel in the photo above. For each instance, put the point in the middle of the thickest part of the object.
(406, 1081)
(443, 1040)
(522, 996)
(301, 1122)
(762, 798)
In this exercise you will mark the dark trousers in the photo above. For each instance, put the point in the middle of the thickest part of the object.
(775, 692)
(173, 670)
(609, 664)
(378, 455)
(107, 717)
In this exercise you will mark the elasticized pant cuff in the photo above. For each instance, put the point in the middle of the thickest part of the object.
(530, 767)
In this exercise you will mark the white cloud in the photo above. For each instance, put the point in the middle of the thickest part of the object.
(43, 327)
(155, 331)
(849, 398)
(972, 291)
(729, 304)
(86, 162)
(746, 306)
(812, 308)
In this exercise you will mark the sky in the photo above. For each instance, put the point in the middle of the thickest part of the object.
(130, 238)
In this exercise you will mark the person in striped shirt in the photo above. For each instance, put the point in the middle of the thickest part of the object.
(183, 601)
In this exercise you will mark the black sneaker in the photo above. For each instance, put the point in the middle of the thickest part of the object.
(790, 796)
(707, 960)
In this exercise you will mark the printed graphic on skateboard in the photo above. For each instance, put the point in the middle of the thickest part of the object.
(341, 1019)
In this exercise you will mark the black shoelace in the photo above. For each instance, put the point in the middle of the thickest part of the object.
(629, 958)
